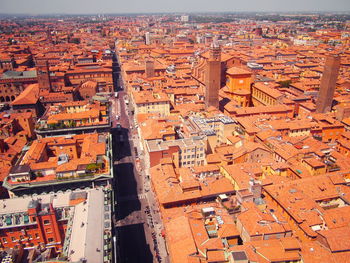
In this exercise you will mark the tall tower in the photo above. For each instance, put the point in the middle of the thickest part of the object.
(258, 31)
(43, 75)
(328, 82)
(149, 68)
(213, 77)
(148, 38)
(49, 36)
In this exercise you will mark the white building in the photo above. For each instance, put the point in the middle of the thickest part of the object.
(148, 38)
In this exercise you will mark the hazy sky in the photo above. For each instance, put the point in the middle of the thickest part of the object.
(141, 6)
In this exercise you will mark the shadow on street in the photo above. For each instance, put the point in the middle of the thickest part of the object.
(134, 247)
(132, 243)
(121, 144)
(126, 187)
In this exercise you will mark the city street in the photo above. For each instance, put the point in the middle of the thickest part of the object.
(137, 221)
(134, 132)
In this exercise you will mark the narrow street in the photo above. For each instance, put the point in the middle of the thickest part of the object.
(137, 221)
(129, 220)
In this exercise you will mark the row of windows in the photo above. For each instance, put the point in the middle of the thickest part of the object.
(162, 112)
(300, 130)
(263, 96)
(154, 111)
(151, 103)
(188, 156)
(192, 156)
(9, 85)
(192, 163)
(153, 107)
(90, 76)
(191, 150)
(8, 91)
(7, 98)
(21, 238)
(187, 163)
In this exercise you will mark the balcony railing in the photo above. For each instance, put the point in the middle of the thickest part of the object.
(15, 220)
(86, 177)
(61, 128)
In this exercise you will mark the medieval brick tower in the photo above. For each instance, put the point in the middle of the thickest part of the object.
(149, 68)
(43, 75)
(48, 35)
(328, 82)
(213, 77)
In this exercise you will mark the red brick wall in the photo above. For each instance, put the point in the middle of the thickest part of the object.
(155, 157)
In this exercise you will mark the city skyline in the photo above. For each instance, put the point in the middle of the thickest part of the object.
(213, 133)
(38, 7)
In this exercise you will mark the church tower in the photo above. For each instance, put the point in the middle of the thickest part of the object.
(213, 77)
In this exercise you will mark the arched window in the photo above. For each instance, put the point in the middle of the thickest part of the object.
(7, 98)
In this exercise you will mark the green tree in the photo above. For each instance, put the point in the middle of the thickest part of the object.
(285, 83)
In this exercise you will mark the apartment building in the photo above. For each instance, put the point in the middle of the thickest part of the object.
(187, 152)
(73, 118)
(59, 163)
(151, 102)
(71, 224)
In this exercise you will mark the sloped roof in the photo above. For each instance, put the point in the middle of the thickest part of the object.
(29, 96)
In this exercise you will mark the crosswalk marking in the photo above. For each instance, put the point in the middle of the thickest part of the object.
(142, 196)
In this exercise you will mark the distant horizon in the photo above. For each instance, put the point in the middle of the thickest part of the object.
(181, 13)
(115, 7)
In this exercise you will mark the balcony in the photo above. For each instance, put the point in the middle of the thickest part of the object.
(62, 127)
(15, 220)
(56, 180)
